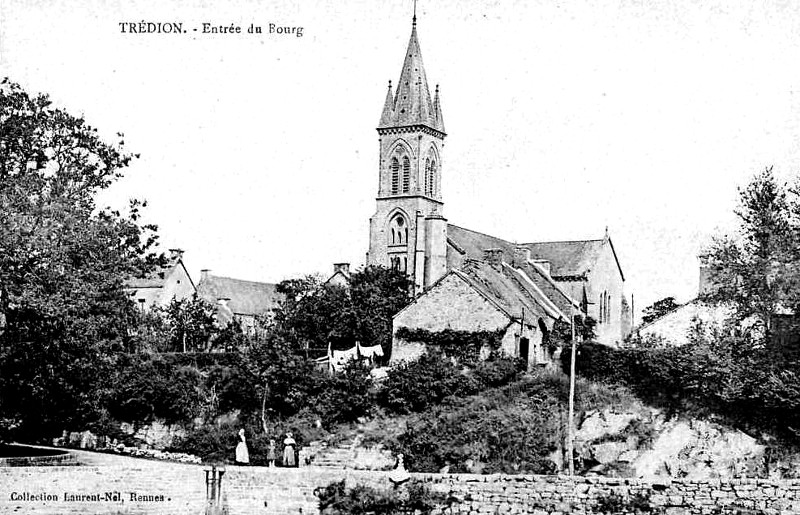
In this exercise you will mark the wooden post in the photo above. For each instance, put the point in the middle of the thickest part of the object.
(571, 421)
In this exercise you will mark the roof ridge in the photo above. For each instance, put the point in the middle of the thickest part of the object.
(239, 280)
(563, 241)
(485, 234)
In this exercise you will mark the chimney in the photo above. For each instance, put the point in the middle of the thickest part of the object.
(204, 274)
(706, 284)
(522, 255)
(543, 264)
(175, 254)
(493, 256)
(341, 267)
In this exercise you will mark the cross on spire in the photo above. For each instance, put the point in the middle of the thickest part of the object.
(414, 19)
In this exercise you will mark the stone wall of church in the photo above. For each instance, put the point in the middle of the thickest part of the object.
(605, 277)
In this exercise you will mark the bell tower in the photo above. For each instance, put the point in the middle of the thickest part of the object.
(408, 231)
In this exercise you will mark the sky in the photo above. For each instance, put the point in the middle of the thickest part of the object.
(258, 152)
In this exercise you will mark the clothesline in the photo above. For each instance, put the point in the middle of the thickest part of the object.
(338, 359)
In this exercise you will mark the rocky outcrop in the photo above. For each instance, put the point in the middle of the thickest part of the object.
(646, 444)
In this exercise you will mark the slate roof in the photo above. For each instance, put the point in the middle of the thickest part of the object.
(471, 244)
(157, 278)
(246, 297)
(501, 286)
(567, 258)
(412, 103)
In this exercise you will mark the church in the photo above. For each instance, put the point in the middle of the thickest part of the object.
(463, 279)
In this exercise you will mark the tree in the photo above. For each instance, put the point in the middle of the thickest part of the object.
(658, 309)
(62, 263)
(191, 324)
(377, 294)
(758, 269)
(314, 315)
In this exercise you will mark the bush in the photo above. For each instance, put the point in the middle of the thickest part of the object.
(337, 499)
(213, 444)
(417, 385)
(509, 430)
(724, 375)
(345, 396)
(148, 387)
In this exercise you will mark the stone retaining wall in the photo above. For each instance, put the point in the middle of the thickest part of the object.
(178, 489)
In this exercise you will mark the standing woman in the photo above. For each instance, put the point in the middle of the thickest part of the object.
(288, 450)
(242, 456)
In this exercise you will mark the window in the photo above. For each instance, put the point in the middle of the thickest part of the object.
(406, 174)
(398, 230)
(601, 314)
(395, 172)
(430, 177)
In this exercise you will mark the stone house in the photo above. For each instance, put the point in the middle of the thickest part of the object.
(341, 275)
(409, 232)
(237, 299)
(516, 297)
(171, 281)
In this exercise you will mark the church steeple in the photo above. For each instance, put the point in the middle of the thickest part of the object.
(412, 103)
(408, 231)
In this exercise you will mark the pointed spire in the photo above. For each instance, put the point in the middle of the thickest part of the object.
(437, 109)
(388, 108)
(412, 102)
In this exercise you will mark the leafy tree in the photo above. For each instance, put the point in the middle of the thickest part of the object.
(62, 263)
(314, 315)
(377, 294)
(659, 309)
(758, 269)
(191, 324)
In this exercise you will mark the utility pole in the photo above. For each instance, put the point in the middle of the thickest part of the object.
(571, 429)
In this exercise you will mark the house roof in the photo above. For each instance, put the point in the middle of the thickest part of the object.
(245, 297)
(158, 277)
(506, 289)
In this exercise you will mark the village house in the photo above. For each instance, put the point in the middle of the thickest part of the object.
(463, 279)
(171, 281)
(238, 300)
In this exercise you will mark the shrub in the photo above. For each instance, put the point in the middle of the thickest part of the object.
(722, 374)
(417, 385)
(617, 503)
(510, 430)
(463, 346)
(212, 443)
(415, 497)
(345, 396)
(147, 387)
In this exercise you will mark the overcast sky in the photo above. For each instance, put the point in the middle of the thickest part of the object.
(259, 152)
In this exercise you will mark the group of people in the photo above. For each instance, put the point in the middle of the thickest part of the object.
(289, 451)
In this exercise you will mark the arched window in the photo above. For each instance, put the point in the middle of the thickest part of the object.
(406, 174)
(431, 188)
(395, 172)
(398, 230)
(602, 314)
(427, 175)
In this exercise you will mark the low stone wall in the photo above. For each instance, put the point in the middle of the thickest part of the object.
(561, 495)
(145, 486)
